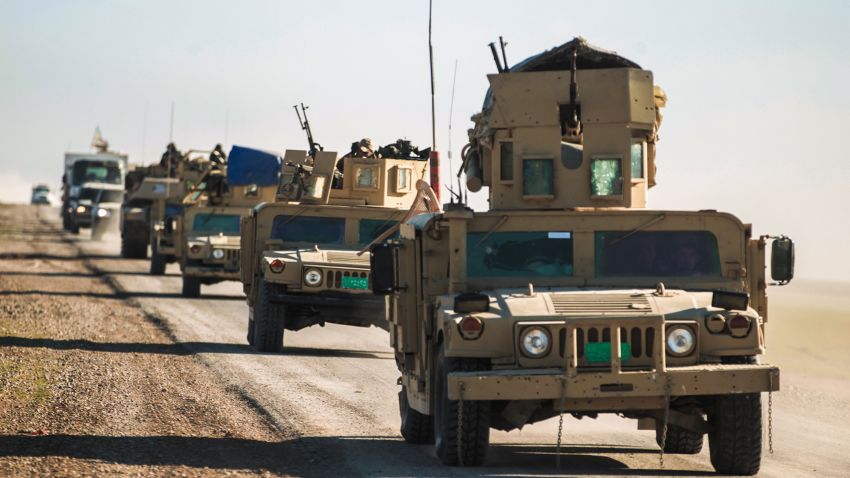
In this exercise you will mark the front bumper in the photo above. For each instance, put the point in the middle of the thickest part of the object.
(356, 309)
(211, 271)
(554, 384)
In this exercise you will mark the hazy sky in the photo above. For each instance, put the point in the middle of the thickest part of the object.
(757, 121)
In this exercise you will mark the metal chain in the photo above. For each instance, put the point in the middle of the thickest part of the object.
(667, 386)
(560, 423)
(460, 428)
(770, 415)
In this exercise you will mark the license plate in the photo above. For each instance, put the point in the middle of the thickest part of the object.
(360, 283)
(600, 352)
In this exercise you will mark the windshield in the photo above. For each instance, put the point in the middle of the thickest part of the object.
(110, 196)
(227, 224)
(313, 230)
(96, 172)
(370, 229)
(657, 254)
(88, 193)
(519, 254)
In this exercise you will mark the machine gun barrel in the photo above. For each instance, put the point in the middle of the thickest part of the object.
(305, 126)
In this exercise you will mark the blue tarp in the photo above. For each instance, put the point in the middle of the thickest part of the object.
(252, 166)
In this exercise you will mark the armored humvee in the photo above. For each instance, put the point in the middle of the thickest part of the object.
(184, 172)
(568, 296)
(210, 224)
(301, 264)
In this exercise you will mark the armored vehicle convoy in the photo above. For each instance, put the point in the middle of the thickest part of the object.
(209, 226)
(301, 264)
(568, 296)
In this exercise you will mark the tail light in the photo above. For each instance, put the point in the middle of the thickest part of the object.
(470, 327)
(194, 249)
(277, 266)
(739, 325)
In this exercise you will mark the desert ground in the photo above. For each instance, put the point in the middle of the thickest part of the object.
(106, 370)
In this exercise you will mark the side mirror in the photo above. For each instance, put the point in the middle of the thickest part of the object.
(384, 272)
(782, 260)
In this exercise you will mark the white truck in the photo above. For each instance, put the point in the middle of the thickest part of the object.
(85, 176)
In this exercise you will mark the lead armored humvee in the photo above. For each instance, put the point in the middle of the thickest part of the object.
(301, 264)
(568, 295)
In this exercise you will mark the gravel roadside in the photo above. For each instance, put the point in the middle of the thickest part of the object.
(91, 386)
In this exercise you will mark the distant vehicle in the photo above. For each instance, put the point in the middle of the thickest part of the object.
(88, 170)
(41, 194)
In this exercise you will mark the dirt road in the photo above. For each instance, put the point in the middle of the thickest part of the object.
(136, 380)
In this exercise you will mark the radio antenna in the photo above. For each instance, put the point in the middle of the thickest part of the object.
(434, 156)
(451, 111)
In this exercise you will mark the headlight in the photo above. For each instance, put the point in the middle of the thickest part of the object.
(535, 342)
(102, 212)
(218, 254)
(313, 278)
(680, 341)
(81, 209)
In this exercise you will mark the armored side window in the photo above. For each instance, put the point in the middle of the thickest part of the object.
(370, 229)
(606, 176)
(538, 177)
(506, 161)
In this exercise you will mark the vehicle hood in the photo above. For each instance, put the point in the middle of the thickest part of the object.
(218, 240)
(555, 303)
(341, 258)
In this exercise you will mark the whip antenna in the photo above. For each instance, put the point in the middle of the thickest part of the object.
(434, 156)
(451, 111)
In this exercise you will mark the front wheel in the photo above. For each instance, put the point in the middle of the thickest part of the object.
(459, 441)
(680, 441)
(734, 440)
(269, 320)
(416, 428)
(191, 287)
(157, 261)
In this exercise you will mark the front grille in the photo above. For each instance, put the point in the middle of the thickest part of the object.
(640, 340)
(333, 278)
(232, 255)
(600, 304)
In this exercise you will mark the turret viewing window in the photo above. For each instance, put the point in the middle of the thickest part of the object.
(606, 176)
(366, 177)
(637, 159)
(506, 161)
(537, 177)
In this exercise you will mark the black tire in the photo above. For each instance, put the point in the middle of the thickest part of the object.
(191, 287)
(416, 428)
(680, 441)
(66, 223)
(455, 447)
(75, 229)
(269, 320)
(157, 262)
(251, 331)
(734, 441)
(133, 248)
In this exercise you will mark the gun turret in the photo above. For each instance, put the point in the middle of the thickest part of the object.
(574, 126)
(305, 125)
